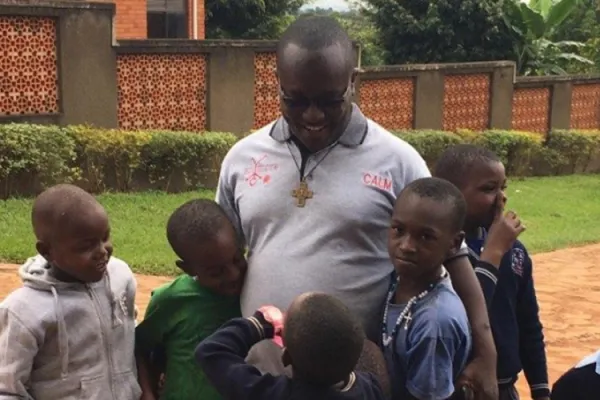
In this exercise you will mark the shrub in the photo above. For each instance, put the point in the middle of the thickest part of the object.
(429, 143)
(184, 156)
(516, 149)
(33, 157)
(107, 158)
(573, 151)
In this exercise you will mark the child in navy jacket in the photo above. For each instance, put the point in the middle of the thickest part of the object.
(582, 382)
(323, 345)
(503, 267)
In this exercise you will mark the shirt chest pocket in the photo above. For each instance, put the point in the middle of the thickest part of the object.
(125, 387)
(71, 388)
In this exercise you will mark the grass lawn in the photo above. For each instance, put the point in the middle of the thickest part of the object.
(558, 211)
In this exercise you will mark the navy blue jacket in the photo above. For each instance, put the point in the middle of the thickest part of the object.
(514, 315)
(222, 355)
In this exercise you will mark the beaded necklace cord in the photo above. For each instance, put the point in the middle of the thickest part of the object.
(406, 314)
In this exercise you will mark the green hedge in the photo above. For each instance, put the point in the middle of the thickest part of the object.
(33, 157)
(523, 153)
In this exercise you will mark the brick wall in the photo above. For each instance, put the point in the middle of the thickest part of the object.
(130, 19)
(29, 83)
(201, 19)
(162, 91)
(266, 89)
(531, 109)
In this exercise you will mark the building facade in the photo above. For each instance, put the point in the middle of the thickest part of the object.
(159, 19)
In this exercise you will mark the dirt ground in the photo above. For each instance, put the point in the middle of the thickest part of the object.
(568, 288)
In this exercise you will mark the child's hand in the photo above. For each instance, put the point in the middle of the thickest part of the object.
(502, 235)
(274, 316)
(463, 393)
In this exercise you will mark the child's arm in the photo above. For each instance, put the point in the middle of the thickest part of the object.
(148, 335)
(18, 347)
(531, 336)
(500, 239)
(147, 377)
(222, 355)
(487, 274)
(481, 372)
(372, 361)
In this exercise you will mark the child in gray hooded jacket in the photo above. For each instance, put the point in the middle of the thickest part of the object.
(68, 333)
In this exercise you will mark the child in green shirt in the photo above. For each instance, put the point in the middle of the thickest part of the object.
(185, 311)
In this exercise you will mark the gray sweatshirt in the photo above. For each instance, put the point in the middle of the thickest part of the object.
(68, 341)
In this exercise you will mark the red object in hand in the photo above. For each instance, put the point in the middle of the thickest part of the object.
(278, 340)
(274, 316)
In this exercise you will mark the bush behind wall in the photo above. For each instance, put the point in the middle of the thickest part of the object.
(562, 152)
(33, 157)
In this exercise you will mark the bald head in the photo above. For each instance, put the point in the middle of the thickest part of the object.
(55, 209)
(314, 35)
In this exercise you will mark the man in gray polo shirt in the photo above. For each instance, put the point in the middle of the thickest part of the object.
(312, 195)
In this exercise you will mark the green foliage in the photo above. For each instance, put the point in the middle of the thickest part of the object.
(107, 156)
(533, 25)
(423, 31)
(522, 153)
(582, 25)
(516, 149)
(249, 19)
(573, 151)
(189, 155)
(429, 143)
(33, 157)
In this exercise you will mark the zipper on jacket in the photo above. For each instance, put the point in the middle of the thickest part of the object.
(105, 336)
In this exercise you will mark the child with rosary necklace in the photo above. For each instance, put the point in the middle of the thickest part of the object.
(426, 337)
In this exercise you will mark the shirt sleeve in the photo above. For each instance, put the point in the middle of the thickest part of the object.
(487, 275)
(225, 196)
(222, 355)
(18, 348)
(531, 335)
(434, 342)
(150, 332)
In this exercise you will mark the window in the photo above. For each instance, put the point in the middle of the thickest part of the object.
(167, 19)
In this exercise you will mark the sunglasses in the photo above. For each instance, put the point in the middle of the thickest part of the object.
(322, 104)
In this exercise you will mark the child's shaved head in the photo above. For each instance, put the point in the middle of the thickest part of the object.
(72, 232)
(323, 339)
(54, 207)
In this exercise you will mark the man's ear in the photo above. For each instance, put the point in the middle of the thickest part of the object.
(43, 248)
(286, 358)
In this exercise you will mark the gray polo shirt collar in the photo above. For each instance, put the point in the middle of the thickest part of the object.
(353, 136)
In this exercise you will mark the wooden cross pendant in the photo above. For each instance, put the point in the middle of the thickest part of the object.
(302, 193)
